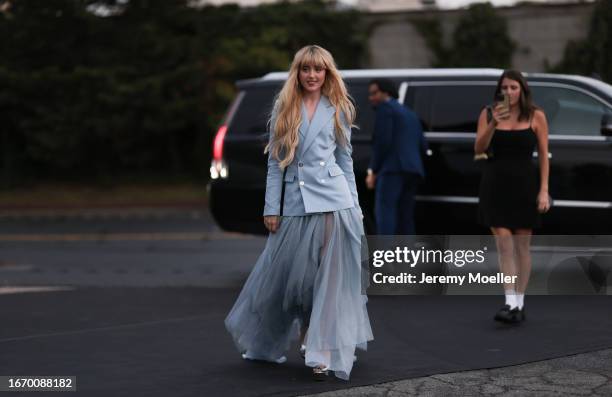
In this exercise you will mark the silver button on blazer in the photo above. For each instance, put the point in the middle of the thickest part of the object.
(325, 180)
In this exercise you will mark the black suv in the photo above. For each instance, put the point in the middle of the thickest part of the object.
(448, 102)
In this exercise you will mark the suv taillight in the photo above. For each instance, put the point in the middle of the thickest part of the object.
(218, 169)
(218, 144)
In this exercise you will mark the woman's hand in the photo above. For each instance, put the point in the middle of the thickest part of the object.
(543, 202)
(370, 181)
(272, 222)
(500, 113)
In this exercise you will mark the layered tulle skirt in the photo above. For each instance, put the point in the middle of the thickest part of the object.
(310, 274)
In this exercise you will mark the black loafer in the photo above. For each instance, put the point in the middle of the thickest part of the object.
(502, 314)
(514, 316)
(519, 315)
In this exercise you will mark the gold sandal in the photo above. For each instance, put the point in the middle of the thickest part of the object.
(320, 373)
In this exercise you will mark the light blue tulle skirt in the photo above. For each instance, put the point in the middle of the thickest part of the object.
(310, 274)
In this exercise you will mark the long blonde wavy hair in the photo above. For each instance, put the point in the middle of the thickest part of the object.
(287, 112)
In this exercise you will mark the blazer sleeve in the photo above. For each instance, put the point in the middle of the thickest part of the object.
(345, 161)
(273, 180)
(382, 141)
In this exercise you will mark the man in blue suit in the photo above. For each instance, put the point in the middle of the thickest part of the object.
(396, 166)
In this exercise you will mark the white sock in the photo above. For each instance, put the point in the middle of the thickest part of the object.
(520, 299)
(511, 298)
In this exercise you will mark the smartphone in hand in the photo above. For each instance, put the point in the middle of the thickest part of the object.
(502, 105)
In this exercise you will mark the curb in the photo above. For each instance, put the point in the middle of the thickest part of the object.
(49, 214)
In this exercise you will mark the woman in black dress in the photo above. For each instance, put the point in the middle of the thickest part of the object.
(513, 189)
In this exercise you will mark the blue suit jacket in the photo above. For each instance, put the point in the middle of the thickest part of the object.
(321, 177)
(398, 141)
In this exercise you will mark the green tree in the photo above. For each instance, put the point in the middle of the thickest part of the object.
(593, 55)
(480, 39)
(138, 93)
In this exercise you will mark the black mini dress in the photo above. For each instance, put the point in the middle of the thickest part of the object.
(509, 183)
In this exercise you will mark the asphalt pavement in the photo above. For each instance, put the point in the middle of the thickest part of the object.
(162, 250)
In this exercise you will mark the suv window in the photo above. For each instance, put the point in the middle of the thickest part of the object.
(456, 108)
(253, 112)
(569, 112)
(252, 115)
(449, 108)
(419, 100)
(365, 113)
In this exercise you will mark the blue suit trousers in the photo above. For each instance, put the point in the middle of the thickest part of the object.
(394, 208)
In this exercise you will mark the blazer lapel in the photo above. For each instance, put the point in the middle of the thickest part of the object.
(323, 113)
(305, 124)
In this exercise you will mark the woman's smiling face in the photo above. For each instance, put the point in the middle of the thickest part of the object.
(312, 77)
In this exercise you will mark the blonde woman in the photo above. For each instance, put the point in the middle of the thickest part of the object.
(307, 283)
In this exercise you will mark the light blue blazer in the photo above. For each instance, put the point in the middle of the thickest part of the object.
(321, 177)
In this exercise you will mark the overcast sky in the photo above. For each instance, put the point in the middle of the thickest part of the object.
(459, 3)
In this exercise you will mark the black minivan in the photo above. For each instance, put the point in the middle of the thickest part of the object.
(448, 103)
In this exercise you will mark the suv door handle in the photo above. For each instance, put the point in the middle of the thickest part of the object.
(535, 155)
